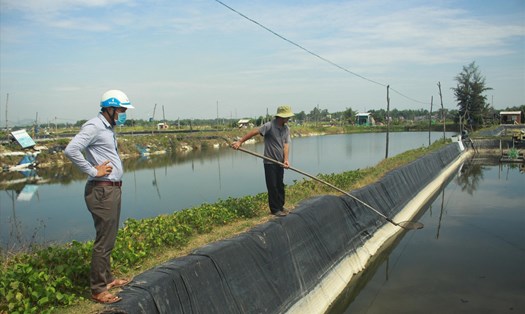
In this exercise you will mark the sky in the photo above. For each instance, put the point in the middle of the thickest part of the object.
(204, 59)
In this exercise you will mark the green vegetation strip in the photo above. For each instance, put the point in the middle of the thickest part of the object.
(49, 278)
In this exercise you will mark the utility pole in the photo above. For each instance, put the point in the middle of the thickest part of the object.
(6, 102)
(35, 129)
(387, 119)
(153, 115)
(430, 119)
(443, 112)
(163, 117)
(317, 116)
(153, 119)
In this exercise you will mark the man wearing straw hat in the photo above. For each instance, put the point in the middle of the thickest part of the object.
(276, 146)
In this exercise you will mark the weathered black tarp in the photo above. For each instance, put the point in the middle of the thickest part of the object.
(271, 267)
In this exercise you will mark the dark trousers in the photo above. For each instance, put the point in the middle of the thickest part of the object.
(274, 175)
(103, 202)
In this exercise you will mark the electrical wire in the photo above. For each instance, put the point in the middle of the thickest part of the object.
(315, 54)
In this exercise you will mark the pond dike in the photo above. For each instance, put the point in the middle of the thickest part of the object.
(296, 264)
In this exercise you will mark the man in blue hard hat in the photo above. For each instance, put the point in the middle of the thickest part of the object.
(102, 164)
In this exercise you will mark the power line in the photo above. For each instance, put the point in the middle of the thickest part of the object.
(407, 97)
(315, 54)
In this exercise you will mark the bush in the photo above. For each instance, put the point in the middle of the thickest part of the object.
(47, 278)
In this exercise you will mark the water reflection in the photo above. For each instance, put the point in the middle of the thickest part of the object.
(469, 177)
(467, 259)
(442, 209)
(378, 267)
(160, 184)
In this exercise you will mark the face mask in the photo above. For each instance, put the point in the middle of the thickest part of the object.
(121, 118)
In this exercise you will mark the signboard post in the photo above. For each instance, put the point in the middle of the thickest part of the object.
(23, 138)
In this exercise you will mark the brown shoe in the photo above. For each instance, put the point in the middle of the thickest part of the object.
(117, 283)
(105, 298)
(280, 214)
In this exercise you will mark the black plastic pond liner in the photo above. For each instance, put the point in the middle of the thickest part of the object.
(271, 267)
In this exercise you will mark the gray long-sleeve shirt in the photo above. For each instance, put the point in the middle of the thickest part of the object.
(97, 139)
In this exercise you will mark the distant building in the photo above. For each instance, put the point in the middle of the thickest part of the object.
(510, 117)
(162, 126)
(244, 123)
(364, 119)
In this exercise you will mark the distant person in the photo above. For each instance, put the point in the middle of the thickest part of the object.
(97, 139)
(276, 146)
(464, 135)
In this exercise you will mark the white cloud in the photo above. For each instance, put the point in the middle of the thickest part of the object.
(196, 51)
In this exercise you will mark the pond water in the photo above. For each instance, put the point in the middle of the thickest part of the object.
(55, 212)
(469, 258)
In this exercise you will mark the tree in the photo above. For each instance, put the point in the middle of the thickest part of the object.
(300, 117)
(318, 115)
(348, 115)
(80, 123)
(473, 106)
(379, 115)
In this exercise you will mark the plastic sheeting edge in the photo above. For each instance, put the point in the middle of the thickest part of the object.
(329, 288)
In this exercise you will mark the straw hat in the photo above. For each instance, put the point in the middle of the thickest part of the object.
(284, 112)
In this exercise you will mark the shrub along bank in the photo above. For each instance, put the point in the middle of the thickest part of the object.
(54, 277)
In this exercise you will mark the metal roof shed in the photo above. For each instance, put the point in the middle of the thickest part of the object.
(510, 117)
(364, 119)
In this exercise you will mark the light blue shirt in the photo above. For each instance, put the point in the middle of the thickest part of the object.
(99, 143)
